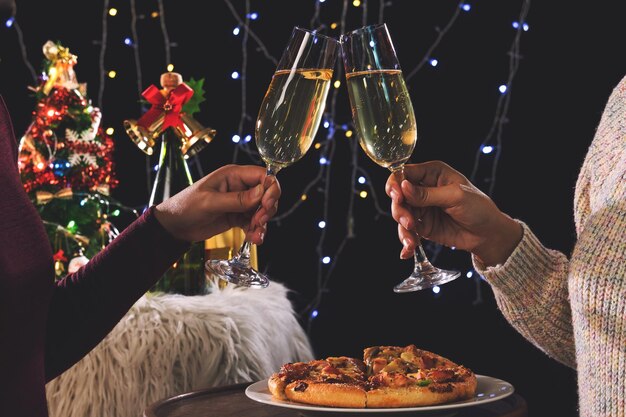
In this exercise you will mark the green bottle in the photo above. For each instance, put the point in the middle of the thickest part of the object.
(186, 276)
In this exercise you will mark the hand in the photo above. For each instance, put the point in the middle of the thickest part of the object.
(227, 197)
(441, 205)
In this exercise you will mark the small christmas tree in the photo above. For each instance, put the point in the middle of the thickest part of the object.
(66, 166)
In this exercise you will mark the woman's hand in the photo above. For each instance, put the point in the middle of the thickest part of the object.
(227, 197)
(441, 205)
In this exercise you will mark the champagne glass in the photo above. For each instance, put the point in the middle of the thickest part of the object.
(287, 123)
(385, 122)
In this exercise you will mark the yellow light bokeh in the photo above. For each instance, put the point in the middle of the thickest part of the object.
(170, 67)
(349, 133)
(333, 25)
(363, 194)
(318, 145)
(154, 14)
(112, 11)
(303, 197)
(356, 3)
(110, 131)
(337, 84)
(112, 74)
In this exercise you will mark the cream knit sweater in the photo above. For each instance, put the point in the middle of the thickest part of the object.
(575, 310)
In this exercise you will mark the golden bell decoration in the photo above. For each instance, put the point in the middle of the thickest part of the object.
(193, 135)
(144, 138)
(166, 112)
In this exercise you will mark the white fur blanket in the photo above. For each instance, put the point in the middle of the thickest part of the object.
(170, 344)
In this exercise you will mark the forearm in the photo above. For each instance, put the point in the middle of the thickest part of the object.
(531, 290)
(87, 304)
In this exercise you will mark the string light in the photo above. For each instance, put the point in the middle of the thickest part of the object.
(154, 14)
(466, 7)
(502, 89)
(112, 74)
(110, 131)
(326, 260)
(363, 194)
(469, 274)
(234, 75)
(236, 31)
(236, 138)
(112, 11)
(433, 62)
(170, 67)
(321, 224)
(337, 84)
(361, 180)
(436, 289)
(9, 22)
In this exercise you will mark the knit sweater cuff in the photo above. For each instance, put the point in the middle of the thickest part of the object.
(525, 268)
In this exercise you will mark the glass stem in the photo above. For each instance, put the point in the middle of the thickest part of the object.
(421, 260)
(243, 256)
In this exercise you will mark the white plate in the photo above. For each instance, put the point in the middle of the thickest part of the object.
(488, 390)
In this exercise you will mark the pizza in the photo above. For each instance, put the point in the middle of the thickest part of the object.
(386, 377)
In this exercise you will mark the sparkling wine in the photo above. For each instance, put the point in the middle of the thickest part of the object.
(290, 115)
(383, 116)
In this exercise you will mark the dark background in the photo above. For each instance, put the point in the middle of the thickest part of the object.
(572, 58)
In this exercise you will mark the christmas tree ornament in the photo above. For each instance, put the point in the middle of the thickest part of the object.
(60, 167)
(76, 263)
(59, 263)
(167, 111)
(44, 197)
(60, 71)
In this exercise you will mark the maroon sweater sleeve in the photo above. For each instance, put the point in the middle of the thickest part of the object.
(86, 305)
(52, 326)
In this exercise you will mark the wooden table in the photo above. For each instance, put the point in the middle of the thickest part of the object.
(231, 401)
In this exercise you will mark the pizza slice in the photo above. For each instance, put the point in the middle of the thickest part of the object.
(405, 376)
(335, 381)
(424, 387)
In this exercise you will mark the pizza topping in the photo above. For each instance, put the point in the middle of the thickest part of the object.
(301, 386)
(294, 371)
(378, 364)
(442, 375)
(424, 382)
(389, 379)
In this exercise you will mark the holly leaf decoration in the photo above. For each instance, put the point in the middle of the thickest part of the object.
(193, 105)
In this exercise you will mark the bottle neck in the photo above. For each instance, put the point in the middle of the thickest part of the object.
(173, 172)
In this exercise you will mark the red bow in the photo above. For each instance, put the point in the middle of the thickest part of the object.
(170, 105)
